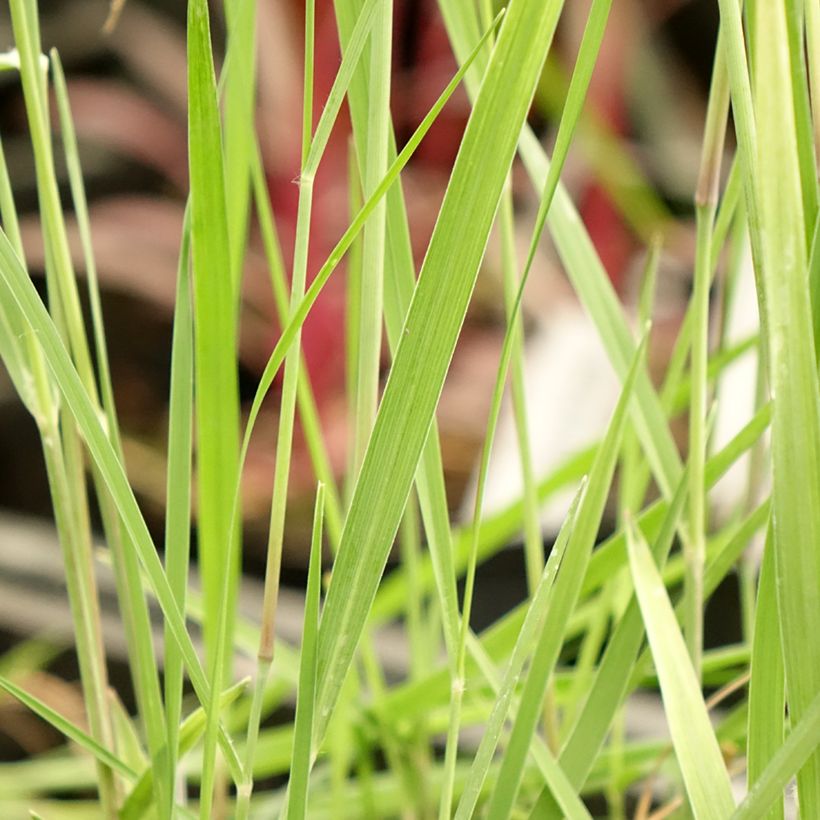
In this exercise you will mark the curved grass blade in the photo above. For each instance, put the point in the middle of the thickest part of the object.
(66, 728)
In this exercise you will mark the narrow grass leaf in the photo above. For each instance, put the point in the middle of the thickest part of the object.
(793, 375)
(802, 741)
(216, 396)
(696, 748)
(533, 622)
(614, 671)
(430, 333)
(306, 699)
(178, 481)
(66, 728)
(767, 686)
(564, 599)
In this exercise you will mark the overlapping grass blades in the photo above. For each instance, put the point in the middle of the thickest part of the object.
(573, 653)
(430, 331)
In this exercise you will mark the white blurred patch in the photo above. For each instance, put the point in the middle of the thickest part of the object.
(736, 392)
(571, 390)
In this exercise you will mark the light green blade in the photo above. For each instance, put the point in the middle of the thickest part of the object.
(793, 374)
(306, 699)
(430, 333)
(564, 599)
(696, 748)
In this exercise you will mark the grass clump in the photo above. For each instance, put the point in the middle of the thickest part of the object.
(548, 684)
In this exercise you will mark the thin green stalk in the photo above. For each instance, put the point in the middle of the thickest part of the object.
(137, 624)
(371, 286)
(533, 540)
(695, 549)
(353, 303)
(83, 223)
(305, 401)
(302, 758)
(178, 485)
(767, 685)
(66, 308)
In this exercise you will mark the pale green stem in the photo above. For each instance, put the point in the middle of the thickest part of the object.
(371, 287)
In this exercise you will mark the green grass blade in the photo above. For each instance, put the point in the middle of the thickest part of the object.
(793, 375)
(239, 121)
(576, 95)
(802, 741)
(564, 599)
(371, 282)
(614, 671)
(533, 623)
(214, 326)
(766, 686)
(178, 482)
(66, 728)
(302, 758)
(217, 411)
(430, 332)
(696, 747)
(84, 226)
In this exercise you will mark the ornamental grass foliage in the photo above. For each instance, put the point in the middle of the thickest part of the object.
(527, 717)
